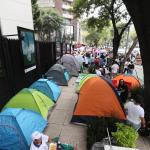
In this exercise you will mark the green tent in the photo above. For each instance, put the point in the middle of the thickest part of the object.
(32, 100)
(83, 80)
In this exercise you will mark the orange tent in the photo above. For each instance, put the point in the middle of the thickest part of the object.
(131, 81)
(97, 99)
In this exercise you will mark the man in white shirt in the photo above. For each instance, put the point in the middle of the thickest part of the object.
(39, 141)
(135, 113)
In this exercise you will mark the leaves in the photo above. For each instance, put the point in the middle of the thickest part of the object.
(125, 136)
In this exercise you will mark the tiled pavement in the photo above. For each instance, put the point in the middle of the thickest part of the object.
(59, 119)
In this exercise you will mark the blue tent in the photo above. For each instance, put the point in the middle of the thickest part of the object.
(11, 136)
(14, 122)
(47, 87)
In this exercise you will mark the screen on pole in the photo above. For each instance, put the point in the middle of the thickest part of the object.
(27, 42)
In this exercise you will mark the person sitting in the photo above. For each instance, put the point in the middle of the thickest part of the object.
(39, 141)
(123, 90)
(135, 113)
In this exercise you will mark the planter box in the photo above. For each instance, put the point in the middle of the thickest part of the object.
(107, 147)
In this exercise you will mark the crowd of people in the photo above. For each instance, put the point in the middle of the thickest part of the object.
(102, 64)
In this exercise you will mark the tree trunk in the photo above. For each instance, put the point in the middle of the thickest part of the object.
(140, 14)
(116, 44)
(128, 54)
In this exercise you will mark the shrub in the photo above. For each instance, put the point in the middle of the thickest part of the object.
(97, 129)
(125, 136)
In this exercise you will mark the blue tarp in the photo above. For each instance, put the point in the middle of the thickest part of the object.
(25, 120)
(47, 87)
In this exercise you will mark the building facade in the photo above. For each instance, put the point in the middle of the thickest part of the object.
(15, 13)
(63, 7)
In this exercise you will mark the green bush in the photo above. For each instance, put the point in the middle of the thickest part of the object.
(97, 129)
(125, 136)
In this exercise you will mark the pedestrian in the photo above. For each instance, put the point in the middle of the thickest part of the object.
(130, 68)
(126, 66)
(114, 69)
(97, 61)
(122, 90)
(97, 71)
(86, 61)
(135, 113)
(39, 141)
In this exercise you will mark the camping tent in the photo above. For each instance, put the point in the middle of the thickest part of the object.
(131, 81)
(31, 100)
(58, 74)
(71, 64)
(82, 76)
(97, 99)
(83, 80)
(47, 87)
(24, 122)
(11, 136)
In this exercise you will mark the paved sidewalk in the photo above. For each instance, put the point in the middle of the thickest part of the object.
(59, 120)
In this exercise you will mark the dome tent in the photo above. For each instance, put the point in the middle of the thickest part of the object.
(58, 74)
(31, 99)
(131, 81)
(71, 64)
(47, 87)
(23, 122)
(97, 99)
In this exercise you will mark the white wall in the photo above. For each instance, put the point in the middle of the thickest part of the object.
(15, 13)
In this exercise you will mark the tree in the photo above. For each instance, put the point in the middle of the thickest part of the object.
(46, 21)
(107, 9)
(93, 37)
(50, 21)
(140, 14)
(36, 13)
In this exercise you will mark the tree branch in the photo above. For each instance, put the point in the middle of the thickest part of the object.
(124, 28)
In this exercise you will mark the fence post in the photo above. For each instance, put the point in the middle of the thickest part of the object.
(61, 49)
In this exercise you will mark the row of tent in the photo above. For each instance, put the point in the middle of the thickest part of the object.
(27, 111)
(99, 98)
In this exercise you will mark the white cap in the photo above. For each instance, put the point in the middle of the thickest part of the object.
(36, 135)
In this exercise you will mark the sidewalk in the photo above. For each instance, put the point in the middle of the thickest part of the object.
(59, 120)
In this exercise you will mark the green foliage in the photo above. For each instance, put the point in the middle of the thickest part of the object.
(50, 20)
(93, 38)
(46, 21)
(97, 129)
(96, 37)
(36, 13)
(113, 10)
(125, 136)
